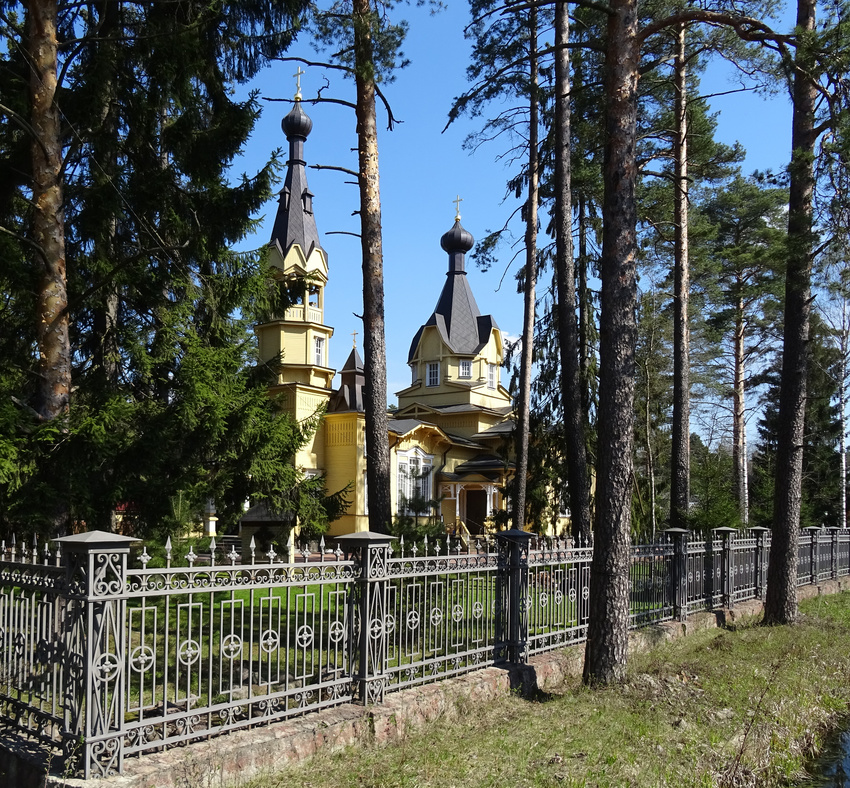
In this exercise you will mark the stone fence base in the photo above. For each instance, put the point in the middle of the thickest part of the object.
(230, 760)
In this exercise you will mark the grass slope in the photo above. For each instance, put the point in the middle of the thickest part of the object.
(748, 707)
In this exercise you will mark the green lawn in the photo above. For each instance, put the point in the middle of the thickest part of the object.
(721, 708)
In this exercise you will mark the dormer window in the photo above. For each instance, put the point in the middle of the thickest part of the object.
(433, 376)
(285, 199)
(465, 368)
(307, 199)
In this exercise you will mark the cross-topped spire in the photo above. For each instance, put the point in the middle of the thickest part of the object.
(297, 76)
(457, 201)
(354, 339)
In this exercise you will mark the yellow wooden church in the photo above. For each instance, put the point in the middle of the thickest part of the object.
(449, 435)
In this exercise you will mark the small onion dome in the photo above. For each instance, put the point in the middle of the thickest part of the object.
(457, 239)
(296, 123)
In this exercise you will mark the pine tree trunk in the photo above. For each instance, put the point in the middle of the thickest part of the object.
(374, 346)
(739, 427)
(681, 438)
(584, 313)
(607, 643)
(48, 226)
(842, 405)
(530, 298)
(566, 287)
(781, 599)
(105, 175)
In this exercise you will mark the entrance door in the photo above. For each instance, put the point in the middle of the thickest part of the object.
(476, 510)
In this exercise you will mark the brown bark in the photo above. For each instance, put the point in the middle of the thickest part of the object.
(54, 367)
(566, 287)
(605, 654)
(781, 599)
(680, 470)
(107, 352)
(739, 444)
(53, 390)
(584, 312)
(529, 299)
(374, 345)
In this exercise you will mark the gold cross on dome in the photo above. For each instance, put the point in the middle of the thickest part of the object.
(457, 201)
(297, 76)
(354, 339)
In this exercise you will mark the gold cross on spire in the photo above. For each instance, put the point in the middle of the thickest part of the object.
(457, 201)
(297, 76)
(354, 339)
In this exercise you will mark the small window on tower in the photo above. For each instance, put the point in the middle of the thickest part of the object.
(319, 347)
(465, 368)
(433, 378)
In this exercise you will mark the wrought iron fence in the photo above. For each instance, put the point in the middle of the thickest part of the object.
(102, 660)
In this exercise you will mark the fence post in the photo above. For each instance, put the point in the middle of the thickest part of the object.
(513, 575)
(369, 606)
(760, 564)
(728, 572)
(94, 649)
(679, 571)
(833, 552)
(814, 540)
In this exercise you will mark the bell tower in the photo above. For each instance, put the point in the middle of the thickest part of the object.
(296, 344)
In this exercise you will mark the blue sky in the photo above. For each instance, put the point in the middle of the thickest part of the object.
(422, 170)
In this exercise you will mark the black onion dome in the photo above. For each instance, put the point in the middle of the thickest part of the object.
(457, 239)
(297, 123)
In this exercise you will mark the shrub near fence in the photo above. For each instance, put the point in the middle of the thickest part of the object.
(101, 660)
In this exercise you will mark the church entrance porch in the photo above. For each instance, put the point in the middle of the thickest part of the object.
(467, 505)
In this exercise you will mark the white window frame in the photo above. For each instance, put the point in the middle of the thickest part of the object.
(465, 368)
(319, 351)
(491, 376)
(415, 478)
(432, 374)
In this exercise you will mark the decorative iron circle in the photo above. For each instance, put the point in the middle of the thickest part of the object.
(42, 652)
(528, 602)
(189, 652)
(413, 619)
(376, 628)
(690, 577)
(477, 610)
(457, 613)
(572, 595)
(107, 666)
(337, 632)
(304, 636)
(269, 641)
(559, 597)
(436, 617)
(141, 658)
(585, 593)
(544, 599)
(20, 641)
(231, 646)
(389, 623)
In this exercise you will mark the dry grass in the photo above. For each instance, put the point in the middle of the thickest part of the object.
(733, 708)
